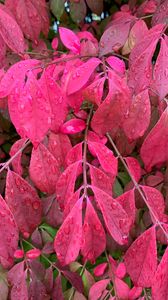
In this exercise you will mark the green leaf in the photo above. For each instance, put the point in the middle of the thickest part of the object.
(57, 8)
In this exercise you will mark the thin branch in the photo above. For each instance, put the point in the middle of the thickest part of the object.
(146, 17)
(137, 186)
(27, 142)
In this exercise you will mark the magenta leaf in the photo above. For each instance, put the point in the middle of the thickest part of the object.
(43, 169)
(100, 179)
(73, 126)
(159, 285)
(70, 40)
(51, 211)
(75, 154)
(68, 239)
(75, 279)
(134, 167)
(57, 293)
(17, 278)
(93, 237)
(97, 289)
(94, 91)
(115, 217)
(116, 64)
(122, 289)
(100, 269)
(16, 162)
(81, 75)
(141, 259)
(9, 235)
(127, 201)
(156, 142)
(138, 117)
(160, 14)
(23, 202)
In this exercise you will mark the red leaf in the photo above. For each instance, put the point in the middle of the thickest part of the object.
(57, 293)
(59, 145)
(16, 162)
(138, 117)
(156, 142)
(15, 76)
(100, 180)
(93, 237)
(127, 201)
(30, 111)
(13, 38)
(17, 278)
(8, 235)
(106, 158)
(160, 73)
(97, 289)
(115, 36)
(51, 211)
(94, 91)
(43, 169)
(75, 154)
(159, 286)
(73, 126)
(68, 239)
(134, 167)
(141, 60)
(71, 202)
(155, 201)
(81, 75)
(110, 115)
(24, 203)
(70, 40)
(75, 279)
(66, 184)
(115, 217)
(141, 259)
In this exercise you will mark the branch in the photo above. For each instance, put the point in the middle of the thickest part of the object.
(137, 186)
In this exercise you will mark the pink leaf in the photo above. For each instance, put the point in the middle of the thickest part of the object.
(138, 117)
(73, 126)
(71, 202)
(33, 253)
(68, 239)
(116, 64)
(66, 184)
(30, 111)
(159, 286)
(100, 269)
(16, 163)
(106, 158)
(135, 292)
(134, 167)
(101, 179)
(75, 154)
(15, 76)
(127, 201)
(115, 36)
(141, 259)
(122, 289)
(115, 217)
(81, 75)
(43, 169)
(156, 142)
(13, 38)
(94, 91)
(160, 14)
(8, 235)
(93, 237)
(110, 115)
(57, 293)
(155, 201)
(160, 72)
(70, 39)
(51, 211)
(17, 278)
(97, 289)
(19, 254)
(121, 270)
(24, 203)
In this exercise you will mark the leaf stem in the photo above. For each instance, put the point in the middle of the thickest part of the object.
(27, 142)
(137, 186)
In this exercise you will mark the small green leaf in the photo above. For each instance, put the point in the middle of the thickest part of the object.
(57, 8)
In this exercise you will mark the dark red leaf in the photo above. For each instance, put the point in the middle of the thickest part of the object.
(75, 279)
(57, 293)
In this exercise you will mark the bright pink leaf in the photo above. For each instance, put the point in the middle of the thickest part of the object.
(33, 253)
(101, 179)
(141, 259)
(116, 64)
(121, 288)
(13, 38)
(121, 270)
(156, 143)
(127, 201)
(68, 239)
(43, 169)
(106, 158)
(115, 36)
(155, 201)
(75, 154)
(81, 75)
(138, 117)
(94, 91)
(159, 286)
(134, 167)
(115, 217)
(93, 237)
(8, 235)
(15, 76)
(16, 162)
(100, 269)
(19, 254)
(70, 40)
(134, 293)
(160, 73)
(73, 126)
(97, 289)
(24, 203)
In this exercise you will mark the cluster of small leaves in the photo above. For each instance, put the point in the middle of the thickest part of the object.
(83, 211)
